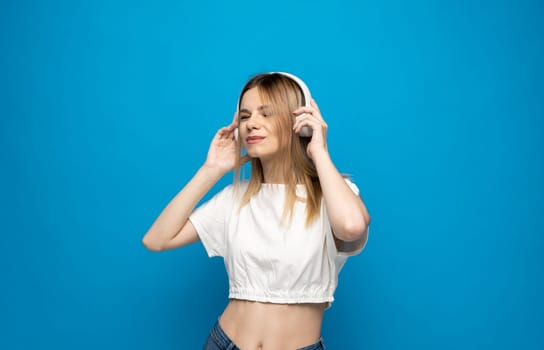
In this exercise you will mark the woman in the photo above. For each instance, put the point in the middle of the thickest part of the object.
(285, 233)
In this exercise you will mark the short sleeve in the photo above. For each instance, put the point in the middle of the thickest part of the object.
(352, 248)
(353, 186)
(210, 222)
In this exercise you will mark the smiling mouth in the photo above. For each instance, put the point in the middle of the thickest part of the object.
(254, 139)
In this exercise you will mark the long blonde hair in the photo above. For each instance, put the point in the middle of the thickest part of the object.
(284, 96)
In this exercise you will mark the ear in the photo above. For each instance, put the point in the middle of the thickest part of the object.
(236, 134)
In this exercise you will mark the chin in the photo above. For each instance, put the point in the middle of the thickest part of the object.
(254, 151)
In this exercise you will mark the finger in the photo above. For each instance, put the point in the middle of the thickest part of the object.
(306, 116)
(314, 104)
(225, 131)
(235, 119)
(309, 122)
(221, 131)
(308, 110)
(304, 109)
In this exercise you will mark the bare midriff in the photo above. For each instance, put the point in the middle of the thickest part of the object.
(253, 325)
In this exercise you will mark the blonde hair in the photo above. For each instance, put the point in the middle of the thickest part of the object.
(284, 96)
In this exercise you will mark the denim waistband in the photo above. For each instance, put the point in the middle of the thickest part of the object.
(223, 342)
(221, 338)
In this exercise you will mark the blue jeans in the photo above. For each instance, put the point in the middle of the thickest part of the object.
(219, 340)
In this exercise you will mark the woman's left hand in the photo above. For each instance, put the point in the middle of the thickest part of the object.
(311, 117)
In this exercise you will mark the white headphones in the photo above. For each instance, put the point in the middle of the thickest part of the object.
(305, 131)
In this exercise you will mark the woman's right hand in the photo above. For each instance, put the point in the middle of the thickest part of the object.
(223, 150)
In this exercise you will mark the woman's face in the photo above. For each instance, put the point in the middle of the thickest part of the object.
(257, 129)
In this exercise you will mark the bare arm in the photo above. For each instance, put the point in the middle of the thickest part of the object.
(172, 229)
(347, 213)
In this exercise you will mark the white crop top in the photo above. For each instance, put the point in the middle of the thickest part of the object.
(267, 261)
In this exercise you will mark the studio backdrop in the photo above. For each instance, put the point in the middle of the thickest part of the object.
(435, 109)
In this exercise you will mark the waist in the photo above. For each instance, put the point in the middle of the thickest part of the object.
(256, 325)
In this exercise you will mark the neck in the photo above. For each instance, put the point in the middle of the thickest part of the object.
(273, 170)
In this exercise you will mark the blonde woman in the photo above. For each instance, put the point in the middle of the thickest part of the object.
(284, 233)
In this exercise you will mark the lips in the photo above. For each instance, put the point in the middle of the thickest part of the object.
(254, 139)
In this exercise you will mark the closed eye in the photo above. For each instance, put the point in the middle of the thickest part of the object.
(266, 112)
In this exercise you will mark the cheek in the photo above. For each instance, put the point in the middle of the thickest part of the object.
(277, 128)
(283, 135)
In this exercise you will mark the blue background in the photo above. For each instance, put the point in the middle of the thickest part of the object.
(435, 107)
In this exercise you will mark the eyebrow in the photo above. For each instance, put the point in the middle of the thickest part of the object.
(260, 108)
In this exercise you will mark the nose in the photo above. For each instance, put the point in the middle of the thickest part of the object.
(252, 122)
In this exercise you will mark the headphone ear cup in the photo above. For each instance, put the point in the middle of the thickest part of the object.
(305, 131)
(236, 134)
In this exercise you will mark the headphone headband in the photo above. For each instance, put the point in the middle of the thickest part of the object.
(301, 84)
(303, 87)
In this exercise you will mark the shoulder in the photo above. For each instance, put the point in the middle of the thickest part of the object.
(232, 192)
